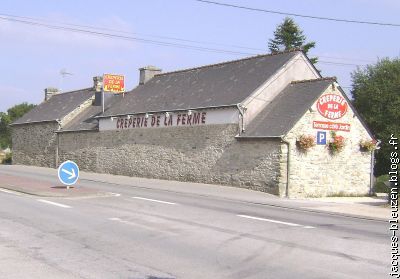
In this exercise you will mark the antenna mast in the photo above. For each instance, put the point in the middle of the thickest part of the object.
(63, 73)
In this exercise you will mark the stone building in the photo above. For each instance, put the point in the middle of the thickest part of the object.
(269, 123)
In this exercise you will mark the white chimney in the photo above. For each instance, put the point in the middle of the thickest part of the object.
(147, 73)
(50, 92)
(97, 85)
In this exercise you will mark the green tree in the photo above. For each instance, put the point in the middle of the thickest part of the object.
(7, 118)
(289, 36)
(4, 130)
(376, 93)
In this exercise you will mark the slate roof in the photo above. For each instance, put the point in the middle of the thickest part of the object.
(85, 120)
(215, 85)
(56, 107)
(279, 116)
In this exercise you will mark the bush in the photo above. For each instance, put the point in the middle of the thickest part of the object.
(8, 159)
(380, 186)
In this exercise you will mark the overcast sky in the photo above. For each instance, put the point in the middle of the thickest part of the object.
(32, 56)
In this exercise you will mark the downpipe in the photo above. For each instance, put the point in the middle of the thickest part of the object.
(287, 166)
(241, 110)
(372, 178)
(57, 144)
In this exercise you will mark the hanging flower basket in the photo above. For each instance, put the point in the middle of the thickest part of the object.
(367, 145)
(305, 142)
(336, 144)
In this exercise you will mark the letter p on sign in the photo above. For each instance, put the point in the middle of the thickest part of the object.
(321, 138)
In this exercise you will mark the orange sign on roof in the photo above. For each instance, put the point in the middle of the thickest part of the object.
(113, 83)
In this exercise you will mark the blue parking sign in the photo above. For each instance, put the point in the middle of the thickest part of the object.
(68, 173)
(321, 138)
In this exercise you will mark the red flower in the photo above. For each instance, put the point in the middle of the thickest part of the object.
(337, 143)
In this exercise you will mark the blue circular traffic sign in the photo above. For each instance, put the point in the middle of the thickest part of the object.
(68, 173)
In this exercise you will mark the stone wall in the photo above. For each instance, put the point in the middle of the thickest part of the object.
(206, 154)
(317, 172)
(35, 144)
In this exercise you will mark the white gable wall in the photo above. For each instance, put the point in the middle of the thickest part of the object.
(318, 172)
(70, 116)
(298, 68)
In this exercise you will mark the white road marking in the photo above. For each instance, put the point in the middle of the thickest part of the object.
(9, 192)
(309, 227)
(275, 221)
(119, 220)
(145, 199)
(54, 203)
(149, 225)
(114, 194)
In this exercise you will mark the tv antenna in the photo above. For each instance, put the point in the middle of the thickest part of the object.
(63, 74)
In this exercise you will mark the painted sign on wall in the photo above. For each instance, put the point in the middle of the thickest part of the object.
(161, 120)
(188, 118)
(113, 83)
(321, 125)
(332, 106)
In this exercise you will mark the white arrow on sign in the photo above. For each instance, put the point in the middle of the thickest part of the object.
(71, 173)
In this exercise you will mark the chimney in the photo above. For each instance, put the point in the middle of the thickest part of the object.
(97, 85)
(147, 73)
(50, 92)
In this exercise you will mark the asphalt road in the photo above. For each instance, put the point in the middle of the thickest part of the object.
(145, 232)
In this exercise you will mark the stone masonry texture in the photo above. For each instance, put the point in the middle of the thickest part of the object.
(35, 144)
(206, 154)
(317, 172)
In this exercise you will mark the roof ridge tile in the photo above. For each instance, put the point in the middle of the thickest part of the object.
(314, 80)
(73, 91)
(229, 62)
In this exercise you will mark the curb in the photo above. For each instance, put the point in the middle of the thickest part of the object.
(24, 192)
(44, 195)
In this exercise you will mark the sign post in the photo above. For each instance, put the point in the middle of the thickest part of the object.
(68, 173)
(102, 98)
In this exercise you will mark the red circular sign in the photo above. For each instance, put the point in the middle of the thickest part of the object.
(332, 106)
